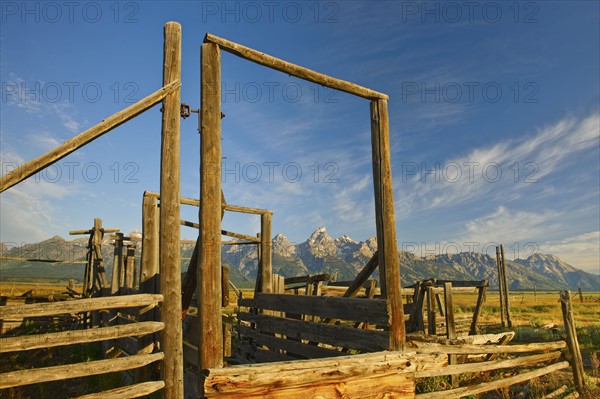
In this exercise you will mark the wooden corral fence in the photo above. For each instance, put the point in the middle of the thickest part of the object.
(62, 338)
(168, 258)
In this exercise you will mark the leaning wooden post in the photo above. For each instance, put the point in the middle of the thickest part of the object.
(385, 221)
(266, 259)
(170, 275)
(506, 294)
(500, 286)
(474, 330)
(572, 342)
(209, 267)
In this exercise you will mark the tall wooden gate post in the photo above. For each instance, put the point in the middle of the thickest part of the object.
(210, 350)
(170, 263)
(385, 220)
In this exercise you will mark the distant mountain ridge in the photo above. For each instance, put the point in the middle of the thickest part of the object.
(341, 257)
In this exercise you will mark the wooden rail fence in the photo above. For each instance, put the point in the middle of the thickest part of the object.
(71, 337)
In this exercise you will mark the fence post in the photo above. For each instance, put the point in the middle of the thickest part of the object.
(170, 263)
(450, 327)
(385, 222)
(572, 342)
(266, 267)
(506, 293)
(209, 266)
(500, 286)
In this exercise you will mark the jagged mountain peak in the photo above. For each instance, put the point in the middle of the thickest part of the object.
(320, 235)
(280, 238)
(345, 239)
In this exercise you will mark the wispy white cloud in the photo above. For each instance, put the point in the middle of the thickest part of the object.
(28, 209)
(582, 250)
(502, 169)
(28, 97)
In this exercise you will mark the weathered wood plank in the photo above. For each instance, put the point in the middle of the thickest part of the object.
(35, 165)
(48, 340)
(492, 385)
(80, 305)
(373, 311)
(45, 374)
(348, 337)
(131, 391)
(363, 276)
(306, 351)
(376, 375)
(488, 366)
(260, 355)
(427, 347)
(292, 69)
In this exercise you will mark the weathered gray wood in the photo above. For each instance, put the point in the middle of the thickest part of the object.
(363, 276)
(306, 279)
(431, 318)
(306, 351)
(474, 329)
(371, 311)
(35, 165)
(70, 337)
(170, 265)
(209, 267)
(45, 374)
(480, 367)
(292, 69)
(506, 290)
(468, 349)
(348, 337)
(572, 341)
(373, 375)
(500, 287)
(80, 305)
(492, 385)
(260, 355)
(386, 222)
(225, 286)
(117, 264)
(131, 391)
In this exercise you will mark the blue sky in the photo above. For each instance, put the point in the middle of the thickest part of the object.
(494, 113)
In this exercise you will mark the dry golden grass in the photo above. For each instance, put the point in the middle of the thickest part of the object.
(15, 289)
